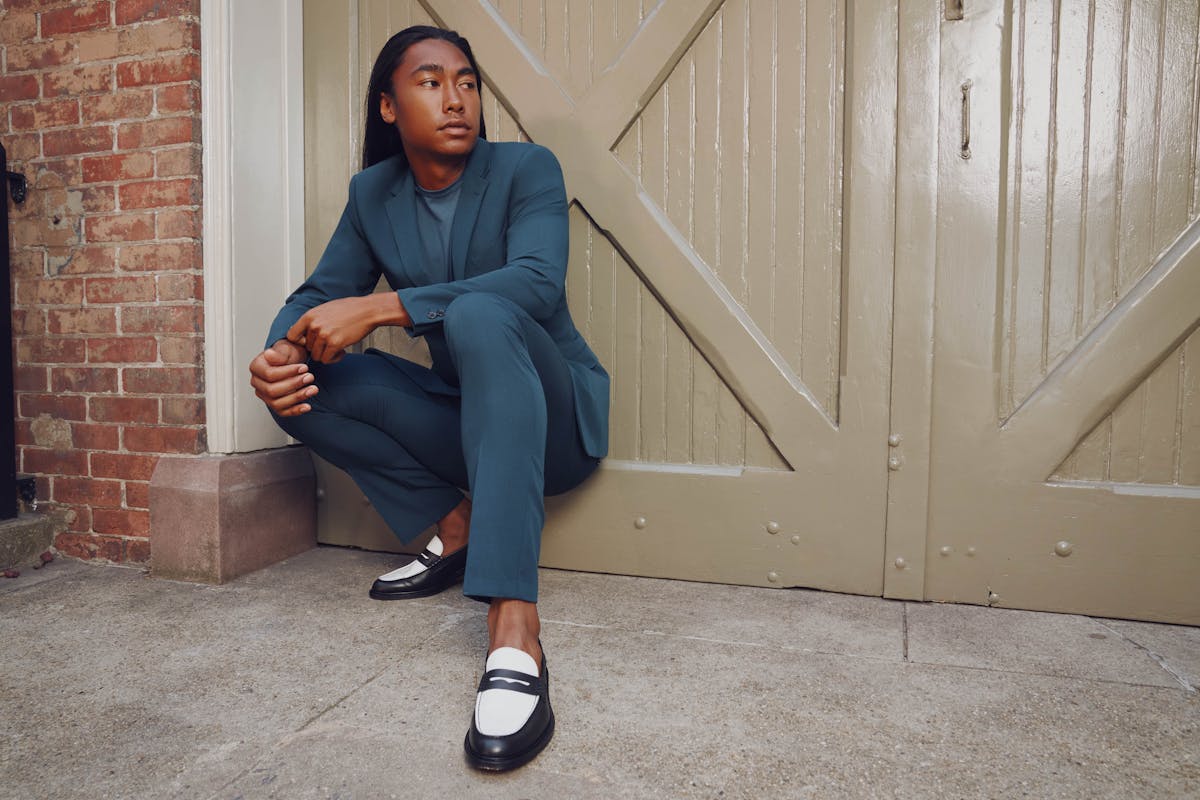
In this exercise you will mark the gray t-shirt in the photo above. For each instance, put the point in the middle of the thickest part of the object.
(435, 213)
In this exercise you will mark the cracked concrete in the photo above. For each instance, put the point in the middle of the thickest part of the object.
(291, 683)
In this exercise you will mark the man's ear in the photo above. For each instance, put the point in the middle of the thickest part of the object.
(387, 109)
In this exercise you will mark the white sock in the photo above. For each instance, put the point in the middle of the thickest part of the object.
(499, 711)
(415, 567)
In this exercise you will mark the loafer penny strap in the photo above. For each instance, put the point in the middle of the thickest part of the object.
(428, 558)
(511, 680)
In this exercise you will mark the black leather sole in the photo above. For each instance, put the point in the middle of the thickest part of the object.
(502, 764)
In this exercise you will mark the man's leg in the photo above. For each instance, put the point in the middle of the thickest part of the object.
(517, 412)
(400, 444)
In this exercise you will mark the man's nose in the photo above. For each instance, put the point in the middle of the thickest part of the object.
(453, 99)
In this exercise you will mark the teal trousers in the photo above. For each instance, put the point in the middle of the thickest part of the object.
(509, 437)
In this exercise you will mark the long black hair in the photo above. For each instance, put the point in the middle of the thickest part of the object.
(381, 140)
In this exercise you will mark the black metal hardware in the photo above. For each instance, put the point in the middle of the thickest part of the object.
(18, 187)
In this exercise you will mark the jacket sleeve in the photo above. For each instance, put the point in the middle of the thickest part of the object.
(534, 271)
(347, 268)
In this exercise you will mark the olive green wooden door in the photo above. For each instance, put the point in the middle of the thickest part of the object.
(1065, 470)
(731, 167)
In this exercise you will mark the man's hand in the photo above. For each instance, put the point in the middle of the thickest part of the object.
(327, 330)
(281, 378)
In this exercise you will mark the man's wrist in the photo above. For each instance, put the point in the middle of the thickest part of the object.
(388, 310)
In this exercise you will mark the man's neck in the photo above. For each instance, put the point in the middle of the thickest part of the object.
(433, 174)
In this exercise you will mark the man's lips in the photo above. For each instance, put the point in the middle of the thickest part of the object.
(456, 125)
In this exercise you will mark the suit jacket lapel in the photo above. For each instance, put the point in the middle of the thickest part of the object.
(470, 199)
(401, 210)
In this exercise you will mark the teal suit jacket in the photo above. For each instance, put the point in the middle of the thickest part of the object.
(508, 237)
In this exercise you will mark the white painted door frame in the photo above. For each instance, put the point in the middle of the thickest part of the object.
(252, 120)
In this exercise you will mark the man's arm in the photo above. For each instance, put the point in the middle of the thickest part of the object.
(535, 268)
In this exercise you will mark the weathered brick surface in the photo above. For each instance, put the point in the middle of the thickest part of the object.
(100, 109)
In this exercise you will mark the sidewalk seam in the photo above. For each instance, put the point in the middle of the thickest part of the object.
(1179, 677)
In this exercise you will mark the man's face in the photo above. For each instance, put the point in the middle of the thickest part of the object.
(435, 104)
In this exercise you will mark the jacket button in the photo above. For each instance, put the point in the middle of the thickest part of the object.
(432, 315)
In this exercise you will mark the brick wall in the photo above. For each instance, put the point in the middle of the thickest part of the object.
(100, 110)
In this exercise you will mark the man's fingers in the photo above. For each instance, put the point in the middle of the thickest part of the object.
(283, 388)
(285, 406)
(269, 374)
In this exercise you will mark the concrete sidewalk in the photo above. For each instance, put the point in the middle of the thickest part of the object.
(291, 683)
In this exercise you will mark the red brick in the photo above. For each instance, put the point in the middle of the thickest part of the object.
(19, 26)
(50, 291)
(68, 407)
(140, 10)
(39, 55)
(96, 139)
(161, 439)
(160, 36)
(78, 543)
(133, 289)
(98, 199)
(97, 46)
(180, 287)
(120, 522)
(36, 232)
(123, 465)
(176, 162)
(53, 462)
(101, 169)
(157, 194)
(29, 379)
(87, 491)
(76, 19)
(23, 147)
(159, 69)
(160, 319)
(93, 380)
(83, 260)
(82, 320)
(123, 409)
(164, 380)
(81, 80)
(179, 224)
(48, 114)
(125, 350)
(23, 430)
(27, 263)
(62, 172)
(29, 322)
(171, 256)
(157, 132)
(182, 97)
(181, 349)
(137, 494)
(137, 551)
(18, 87)
(125, 104)
(35, 350)
(183, 410)
(120, 228)
(95, 437)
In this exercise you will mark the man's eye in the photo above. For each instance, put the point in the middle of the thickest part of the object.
(430, 82)
(468, 85)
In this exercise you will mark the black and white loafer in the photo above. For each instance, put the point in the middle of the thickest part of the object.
(427, 574)
(513, 720)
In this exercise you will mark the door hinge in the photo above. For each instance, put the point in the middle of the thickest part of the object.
(954, 9)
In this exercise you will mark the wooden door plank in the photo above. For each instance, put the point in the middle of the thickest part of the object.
(1151, 320)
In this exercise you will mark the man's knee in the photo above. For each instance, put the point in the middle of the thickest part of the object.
(480, 320)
